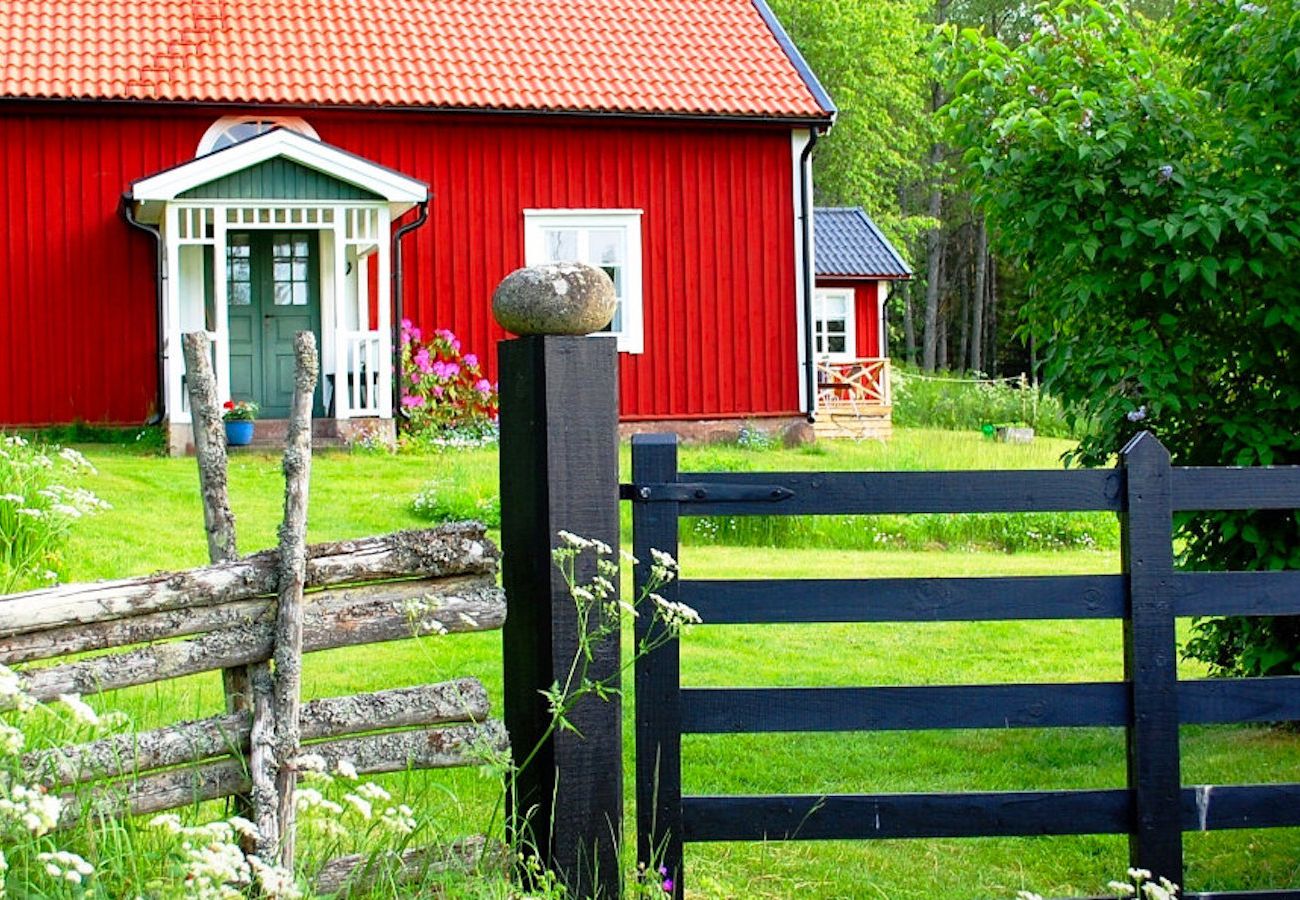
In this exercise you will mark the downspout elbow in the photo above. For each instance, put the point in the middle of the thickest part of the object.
(399, 309)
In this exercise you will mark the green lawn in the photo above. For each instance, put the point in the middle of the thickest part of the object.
(156, 524)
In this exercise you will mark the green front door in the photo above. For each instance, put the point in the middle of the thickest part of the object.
(273, 285)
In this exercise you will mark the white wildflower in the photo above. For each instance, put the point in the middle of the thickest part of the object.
(399, 819)
(31, 512)
(11, 740)
(602, 548)
(76, 460)
(345, 769)
(574, 540)
(310, 762)
(1139, 874)
(243, 827)
(12, 498)
(275, 882)
(629, 558)
(374, 792)
(663, 560)
(80, 710)
(1122, 889)
(360, 804)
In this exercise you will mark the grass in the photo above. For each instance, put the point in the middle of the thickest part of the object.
(156, 524)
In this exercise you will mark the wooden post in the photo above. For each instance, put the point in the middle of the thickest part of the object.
(658, 675)
(209, 448)
(559, 471)
(218, 520)
(1150, 665)
(293, 578)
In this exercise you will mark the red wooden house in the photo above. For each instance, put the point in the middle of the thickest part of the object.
(856, 267)
(254, 167)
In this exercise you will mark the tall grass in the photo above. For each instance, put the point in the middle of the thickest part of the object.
(954, 402)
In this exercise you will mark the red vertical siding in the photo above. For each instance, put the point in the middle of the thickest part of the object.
(77, 334)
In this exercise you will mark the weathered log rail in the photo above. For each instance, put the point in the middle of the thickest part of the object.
(91, 638)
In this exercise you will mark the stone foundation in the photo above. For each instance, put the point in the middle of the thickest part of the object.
(270, 434)
(790, 430)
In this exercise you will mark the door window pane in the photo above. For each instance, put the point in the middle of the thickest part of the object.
(239, 291)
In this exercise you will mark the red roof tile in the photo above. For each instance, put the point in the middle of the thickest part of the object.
(693, 57)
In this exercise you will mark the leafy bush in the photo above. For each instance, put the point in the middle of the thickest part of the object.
(444, 391)
(1146, 180)
(960, 404)
(439, 501)
(37, 508)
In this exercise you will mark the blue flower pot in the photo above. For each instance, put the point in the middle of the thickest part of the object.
(239, 433)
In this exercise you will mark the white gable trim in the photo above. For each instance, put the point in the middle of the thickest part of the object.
(392, 186)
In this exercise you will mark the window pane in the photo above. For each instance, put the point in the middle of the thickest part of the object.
(239, 270)
(561, 244)
(836, 343)
(283, 272)
(299, 294)
(280, 245)
(606, 246)
(615, 274)
(835, 326)
(819, 343)
(282, 296)
(299, 271)
(300, 247)
(240, 295)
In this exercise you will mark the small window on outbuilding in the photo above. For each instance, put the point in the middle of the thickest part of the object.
(608, 239)
(229, 130)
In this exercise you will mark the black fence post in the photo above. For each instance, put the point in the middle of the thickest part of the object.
(658, 675)
(1150, 663)
(559, 471)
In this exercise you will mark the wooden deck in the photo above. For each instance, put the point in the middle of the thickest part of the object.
(854, 400)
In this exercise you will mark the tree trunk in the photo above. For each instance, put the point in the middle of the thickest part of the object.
(992, 355)
(909, 326)
(981, 290)
(934, 265)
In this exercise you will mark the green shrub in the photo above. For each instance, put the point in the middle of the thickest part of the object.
(441, 501)
(39, 501)
(960, 404)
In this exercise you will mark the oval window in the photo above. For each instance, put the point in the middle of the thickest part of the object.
(229, 130)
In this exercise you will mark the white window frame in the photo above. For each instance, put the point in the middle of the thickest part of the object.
(849, 295)
(631, 336)
(218, 128)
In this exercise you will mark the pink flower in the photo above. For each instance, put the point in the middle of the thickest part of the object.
(471, 360)
(440, 369)
(437, 390)
(422, 360)
(453, 369)
(410, 402)
(483, 386)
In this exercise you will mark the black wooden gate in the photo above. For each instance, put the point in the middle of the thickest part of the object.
(1151, 703)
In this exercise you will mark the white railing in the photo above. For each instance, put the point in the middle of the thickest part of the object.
(358, 384)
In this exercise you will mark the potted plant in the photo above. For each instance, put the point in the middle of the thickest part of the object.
(239, 417)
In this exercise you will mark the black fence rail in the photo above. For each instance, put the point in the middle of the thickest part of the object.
(1154, 808)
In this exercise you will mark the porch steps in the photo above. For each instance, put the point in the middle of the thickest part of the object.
(851, 419)
(270, 434)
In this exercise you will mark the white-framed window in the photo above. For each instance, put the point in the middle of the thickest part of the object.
(608, 239)
(230, 130)
(834, 335)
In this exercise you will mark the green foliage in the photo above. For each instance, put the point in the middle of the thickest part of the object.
(441, 501)
(1147, 183)
(39, 501)
(871, 58)
(959, 404)
(149, 437)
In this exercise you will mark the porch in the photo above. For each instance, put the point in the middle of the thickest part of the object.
(853, 399)
(274, 235)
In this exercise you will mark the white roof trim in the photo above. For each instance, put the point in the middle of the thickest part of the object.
(392, 186)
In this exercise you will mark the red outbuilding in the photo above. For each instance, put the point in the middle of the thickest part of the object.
(255, 167)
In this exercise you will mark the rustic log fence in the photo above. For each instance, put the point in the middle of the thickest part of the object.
(1154, 808)
(253, 618)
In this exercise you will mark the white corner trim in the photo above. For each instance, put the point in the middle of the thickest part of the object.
(392, 186)
(799, 138)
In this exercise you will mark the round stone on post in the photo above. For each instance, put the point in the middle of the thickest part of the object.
(556, 298)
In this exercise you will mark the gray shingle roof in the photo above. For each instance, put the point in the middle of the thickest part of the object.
(848, 243)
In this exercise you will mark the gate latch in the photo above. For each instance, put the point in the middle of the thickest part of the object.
(704, 492)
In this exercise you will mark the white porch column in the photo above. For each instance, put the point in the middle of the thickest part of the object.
(342, 405)
(221, 306)
(384, 318)
(173, 360)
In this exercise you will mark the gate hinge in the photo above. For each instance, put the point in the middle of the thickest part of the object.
(703, 492)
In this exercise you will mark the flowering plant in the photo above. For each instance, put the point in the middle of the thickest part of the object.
(444, 390)
(239, 411)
